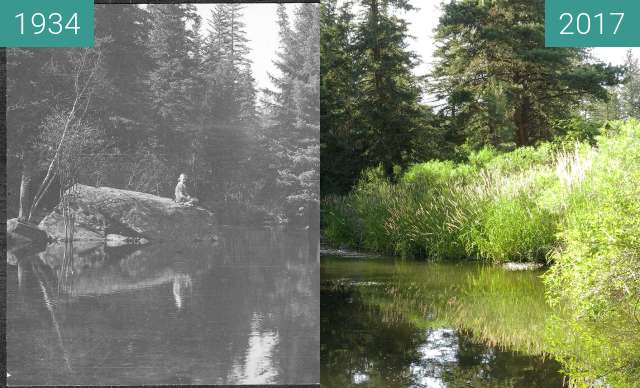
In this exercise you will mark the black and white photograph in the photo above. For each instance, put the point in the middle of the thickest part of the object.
(163, 200)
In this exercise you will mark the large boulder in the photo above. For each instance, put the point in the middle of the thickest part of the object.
(99, 212)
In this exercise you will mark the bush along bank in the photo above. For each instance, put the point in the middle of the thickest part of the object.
(496, 207)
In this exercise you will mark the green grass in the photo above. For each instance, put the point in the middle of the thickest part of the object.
(487, 208)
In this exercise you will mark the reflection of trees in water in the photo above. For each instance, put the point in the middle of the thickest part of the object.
(358, 347)
(367, 338)
(195, 314)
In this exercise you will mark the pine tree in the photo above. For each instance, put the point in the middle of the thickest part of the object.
(294, 106)
(630, 93)
(341, 155)
(173, 85)
(389, 93)
(231, 92)
(171, 82)
(228, 103)
(484, 44)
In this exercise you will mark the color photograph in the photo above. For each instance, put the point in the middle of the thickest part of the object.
(480, 218)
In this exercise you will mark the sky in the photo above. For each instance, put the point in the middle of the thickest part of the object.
(262, 32)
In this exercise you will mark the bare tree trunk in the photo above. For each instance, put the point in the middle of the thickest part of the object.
(25, 183)
(80, 93)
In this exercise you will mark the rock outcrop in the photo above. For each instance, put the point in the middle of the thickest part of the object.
(99, 212)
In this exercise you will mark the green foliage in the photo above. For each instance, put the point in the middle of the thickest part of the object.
(498, 207)
(436, 173)
(372, 201)
(595, 275)
(494, 207)
(338, 221)
(630, 91)
(521, 159)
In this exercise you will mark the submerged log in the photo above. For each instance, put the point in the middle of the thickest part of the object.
(512, 266)
(102, 211)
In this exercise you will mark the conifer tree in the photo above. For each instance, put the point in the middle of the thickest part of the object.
(294, 105)
(125, 57)
(389, 93)
(230, 86)
(171, 82)
(630, 93)
(485, 44)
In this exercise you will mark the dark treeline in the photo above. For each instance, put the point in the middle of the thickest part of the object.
(492, 84)
(154, 98)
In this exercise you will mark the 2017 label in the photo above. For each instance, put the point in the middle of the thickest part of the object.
(592, 23)
(583, 23)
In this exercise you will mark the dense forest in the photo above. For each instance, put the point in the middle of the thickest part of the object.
(156, 97)
(522, 153)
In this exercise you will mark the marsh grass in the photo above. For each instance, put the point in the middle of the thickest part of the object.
(492, 208)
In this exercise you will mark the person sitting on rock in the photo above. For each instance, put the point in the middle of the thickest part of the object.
(182, 196)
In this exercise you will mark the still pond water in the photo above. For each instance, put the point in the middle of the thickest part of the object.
(244, 310)
(395, 323)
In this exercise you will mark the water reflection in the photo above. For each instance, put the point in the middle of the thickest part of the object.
(242, 311)
(256, 365)
(409, 324)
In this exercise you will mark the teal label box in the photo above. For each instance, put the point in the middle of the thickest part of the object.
(592, 23)
(46, 23)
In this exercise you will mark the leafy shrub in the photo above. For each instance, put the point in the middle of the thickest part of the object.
(430, 227)
(436, 173)
(600, 258)
(371, 199)
(521, 159)
(596, 273)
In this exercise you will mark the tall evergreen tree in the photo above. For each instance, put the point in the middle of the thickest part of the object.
(173, 85)
(229, 100)
(371, 99)
(389, 94)
(341, 153)
(125, 30)
(172, 47)
(494, 51)
(630, 93)
(231, 91)
(294, 105)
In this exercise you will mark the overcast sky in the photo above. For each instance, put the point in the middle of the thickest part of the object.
(262, 32)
